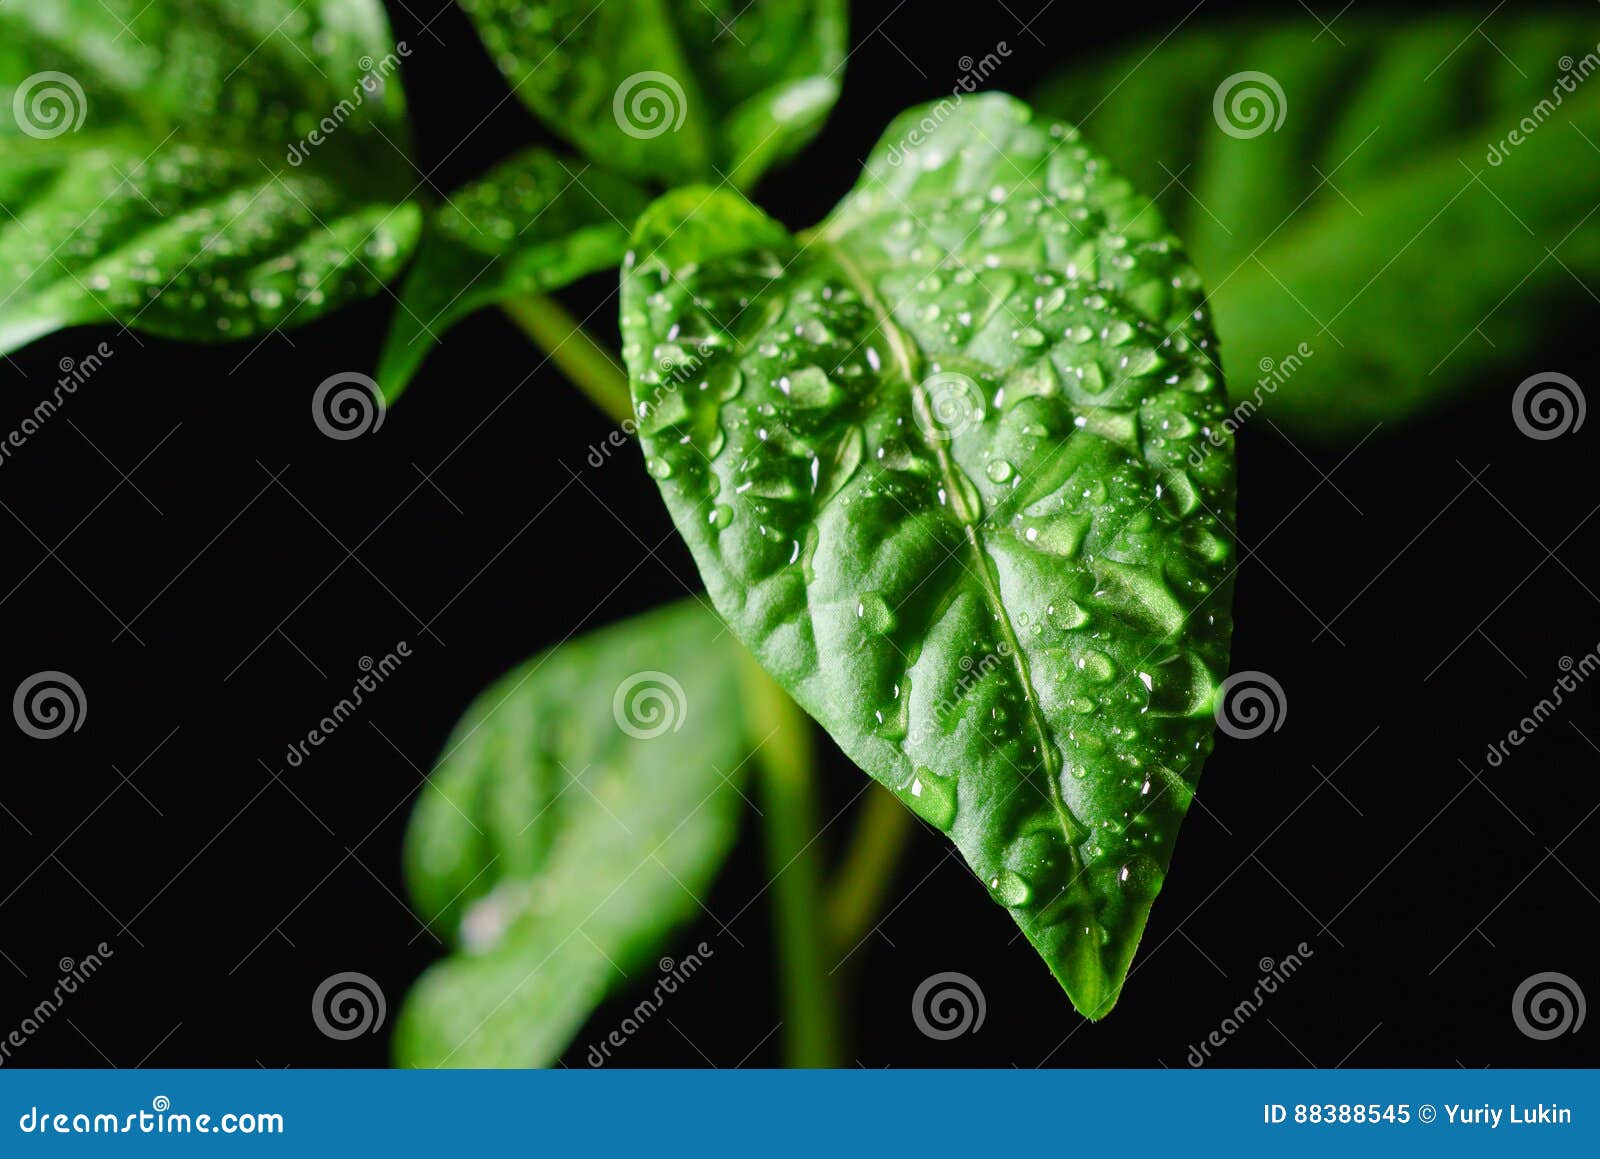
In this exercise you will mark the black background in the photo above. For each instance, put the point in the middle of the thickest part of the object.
(186, 495)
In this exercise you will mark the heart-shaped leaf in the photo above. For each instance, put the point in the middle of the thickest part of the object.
(1412, 201)
(673, 90)
(950, 468)
(199, 169)
(581, 807)
(533, 223)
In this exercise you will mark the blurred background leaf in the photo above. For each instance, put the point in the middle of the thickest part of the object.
(1365, 196)
(535, 222)
(581, 807)
(156, 166)
(673, 91)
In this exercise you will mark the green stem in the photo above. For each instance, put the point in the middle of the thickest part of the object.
(808, 931)
(811, 1020)
(883, 826)
(589, 365)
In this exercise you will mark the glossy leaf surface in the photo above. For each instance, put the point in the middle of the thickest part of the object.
(1421, 217)
(582, 805)
(673, 90)
(943, 465)
(534, 223)
(149, 172)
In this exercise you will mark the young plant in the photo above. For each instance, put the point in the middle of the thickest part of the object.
(954, 464)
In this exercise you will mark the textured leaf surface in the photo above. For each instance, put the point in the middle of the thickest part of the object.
(144, 164)
(1374, 210)
(533, 223)
(674, 90)
(558, 849)
(932, 463)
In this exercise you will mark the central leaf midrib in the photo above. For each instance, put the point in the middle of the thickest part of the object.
(907, 355)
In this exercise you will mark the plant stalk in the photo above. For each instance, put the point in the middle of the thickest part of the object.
(861, 883)
(589, 365)
(786, 762)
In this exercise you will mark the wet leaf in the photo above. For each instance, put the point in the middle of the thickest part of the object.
(673, 91)
(533, 223)
(158, 166)
(579, 810)
(944, 465)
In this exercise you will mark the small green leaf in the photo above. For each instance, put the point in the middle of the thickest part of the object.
(533, 223)
(673, 90)
(944, 466)
(158, 166)
(1389, 221)
(578, 812)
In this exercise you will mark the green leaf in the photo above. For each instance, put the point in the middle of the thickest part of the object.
(533, 223)
(942, 466)
(673, 90)
(148, 171)
(1388, 223)
(578, 812)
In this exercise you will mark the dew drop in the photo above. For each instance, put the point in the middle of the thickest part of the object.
(1010, 889)
(933, 798)
(1096, 666)
(875, 614)
(809, 388)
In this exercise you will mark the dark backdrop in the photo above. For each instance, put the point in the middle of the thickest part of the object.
(211, 569)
